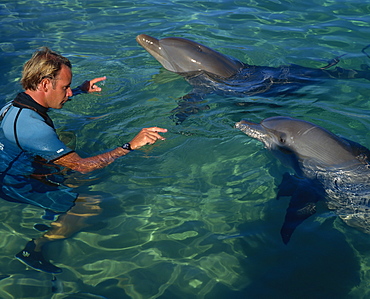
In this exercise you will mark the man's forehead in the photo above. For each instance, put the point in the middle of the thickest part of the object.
(65, 73)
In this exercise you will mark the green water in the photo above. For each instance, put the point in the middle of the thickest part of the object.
(194, 216)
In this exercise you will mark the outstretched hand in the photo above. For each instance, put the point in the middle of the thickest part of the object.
(147, 136)
(89, 86)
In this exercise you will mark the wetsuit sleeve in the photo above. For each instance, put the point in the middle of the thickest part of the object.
(35, 136)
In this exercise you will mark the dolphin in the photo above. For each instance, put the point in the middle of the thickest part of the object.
(209, 71)
(183, 56)
(326, 167)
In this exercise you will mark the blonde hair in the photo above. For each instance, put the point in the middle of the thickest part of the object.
(44, 63)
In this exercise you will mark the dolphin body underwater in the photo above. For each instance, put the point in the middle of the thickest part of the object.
(209, 71)
(326, 167)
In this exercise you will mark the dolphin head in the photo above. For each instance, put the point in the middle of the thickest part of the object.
(183, 56)
(304, 139)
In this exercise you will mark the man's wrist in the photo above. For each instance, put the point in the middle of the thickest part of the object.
(127, 146)
(77, 90)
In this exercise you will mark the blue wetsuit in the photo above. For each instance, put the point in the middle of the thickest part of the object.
(28, 146)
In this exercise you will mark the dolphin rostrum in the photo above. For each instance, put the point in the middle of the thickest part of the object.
(326, 167)
(209, 71)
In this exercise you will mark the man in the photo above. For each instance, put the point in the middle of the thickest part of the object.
(33, 159)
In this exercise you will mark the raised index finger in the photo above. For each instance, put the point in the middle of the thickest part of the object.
(93, 81)
(157, 130)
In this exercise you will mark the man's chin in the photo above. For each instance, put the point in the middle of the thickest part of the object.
(61, 105)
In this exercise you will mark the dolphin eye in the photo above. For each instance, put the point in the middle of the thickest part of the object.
(199, 49)
(282, 139)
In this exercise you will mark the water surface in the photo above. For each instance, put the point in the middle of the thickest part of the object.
(194, 216)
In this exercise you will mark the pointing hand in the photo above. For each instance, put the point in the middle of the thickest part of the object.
(89, 86)
(147, 136)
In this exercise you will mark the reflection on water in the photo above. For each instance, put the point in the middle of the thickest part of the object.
(194, 216)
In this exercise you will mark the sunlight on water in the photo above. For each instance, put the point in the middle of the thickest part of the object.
(194, 216)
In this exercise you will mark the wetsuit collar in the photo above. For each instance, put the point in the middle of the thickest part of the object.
(23, 100)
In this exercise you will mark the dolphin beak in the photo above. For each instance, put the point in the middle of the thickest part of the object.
(253, 130)
(147, 42)
(154, 48)
(245, 125)
(245, 122)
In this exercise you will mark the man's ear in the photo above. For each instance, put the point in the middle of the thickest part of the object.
(44, 85)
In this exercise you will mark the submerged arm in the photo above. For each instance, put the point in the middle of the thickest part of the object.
(85, 165)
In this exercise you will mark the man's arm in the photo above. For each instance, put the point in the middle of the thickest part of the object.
(85, 165)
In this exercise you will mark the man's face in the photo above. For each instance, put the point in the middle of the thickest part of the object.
(59, 93)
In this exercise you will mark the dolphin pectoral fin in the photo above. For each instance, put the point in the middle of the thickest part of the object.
(302, 203)
(287, 186)
(300, 208)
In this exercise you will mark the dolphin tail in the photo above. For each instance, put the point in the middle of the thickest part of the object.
(364, 50)
(332, 62)
(341, 73)
(304, 197)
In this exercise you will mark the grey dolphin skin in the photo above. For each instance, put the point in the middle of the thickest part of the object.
(326, 167)
(209, 71)
(180, 55)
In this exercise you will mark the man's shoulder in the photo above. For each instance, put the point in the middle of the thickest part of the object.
(23, 115)
(27, 124)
